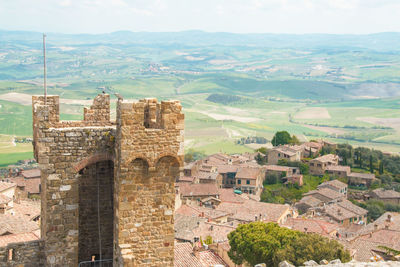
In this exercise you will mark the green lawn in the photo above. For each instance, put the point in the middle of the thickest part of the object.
(280, 193)
(12, 158)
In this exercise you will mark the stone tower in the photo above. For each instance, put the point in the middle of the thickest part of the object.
(108, 186)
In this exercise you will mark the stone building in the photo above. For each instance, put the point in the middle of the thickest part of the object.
(107, 186)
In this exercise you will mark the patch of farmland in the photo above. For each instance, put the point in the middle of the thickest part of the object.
(313, 113)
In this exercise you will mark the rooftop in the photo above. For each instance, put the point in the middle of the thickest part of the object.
(326, 192)
(247, 210)
(34, 173)
(14, 224)
(248, 173)
(382, 193)
(369, 176)
(6, 185)
(277, 168)
(311, 226)
(16, 238)
(327, 158)
(207, 189)
(334, 183)
(184, 257)
(339, 168)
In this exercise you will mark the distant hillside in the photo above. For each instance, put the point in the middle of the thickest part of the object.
(389, 41)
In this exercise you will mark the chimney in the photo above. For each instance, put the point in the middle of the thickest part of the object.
(389, 218)
(196, 251)
(375, 227)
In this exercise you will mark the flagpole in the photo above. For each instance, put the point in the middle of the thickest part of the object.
(44, 69)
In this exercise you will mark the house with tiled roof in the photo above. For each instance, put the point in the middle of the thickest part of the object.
(228, 173)
(319, 165)
(289, 153)
(210, 177)
(251, 210)
(31, 174)
(308, 203)
(250, 180)
(326, 195)
(311, 149)
(366, 246)
(361, 179)
(338, 170)
(197, 191)
(335, 185)
(282, 171)
(345, 213)
(187, 255)
(316, 226)
(7, 192)
(386, 196)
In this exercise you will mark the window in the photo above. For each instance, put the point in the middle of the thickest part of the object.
(312, 164)
(10, 254)
(239, 181)
(248, 182)
(279, 154)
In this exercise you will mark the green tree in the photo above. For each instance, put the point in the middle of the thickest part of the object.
(380, 167)
(263, 150)
(272, 178)
(268, 243)
(312, 246)
(294, 140)
(192, 155)
(371, 164)
(281, 138)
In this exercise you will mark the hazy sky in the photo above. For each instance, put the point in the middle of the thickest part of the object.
(268, 16)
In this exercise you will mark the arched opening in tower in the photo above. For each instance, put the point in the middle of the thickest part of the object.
(96, 211)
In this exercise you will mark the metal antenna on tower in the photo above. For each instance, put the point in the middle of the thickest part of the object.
(44, 68)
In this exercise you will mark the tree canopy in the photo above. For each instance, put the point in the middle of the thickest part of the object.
(268, 243)
(281, 138)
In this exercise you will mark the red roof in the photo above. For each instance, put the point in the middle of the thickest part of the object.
(6, 185)
(198, 189)
(34, 173)
(184, 257)
(248, 173)
(15, 238)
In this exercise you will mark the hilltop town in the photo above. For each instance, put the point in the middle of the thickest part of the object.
(306, 187)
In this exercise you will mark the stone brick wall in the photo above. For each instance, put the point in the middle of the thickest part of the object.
(25, 254)
(149, 156)
(146, 147)
(62, 149)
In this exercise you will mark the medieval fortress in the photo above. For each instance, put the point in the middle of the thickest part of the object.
(107, 186)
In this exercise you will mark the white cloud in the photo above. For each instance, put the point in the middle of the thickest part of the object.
(289, 16)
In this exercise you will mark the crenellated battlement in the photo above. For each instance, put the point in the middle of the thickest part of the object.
(128, 166)
(150, 114)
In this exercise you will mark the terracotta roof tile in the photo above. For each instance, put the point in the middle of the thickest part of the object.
(15, 238)
(327, 158)
(198, 189)
(369, 176)
(34, 173)
(382, 193)
(313, 226)
(6, 185)
(15, 224)
(248, 173)
(184, 257)
(228, 195)
(247, 210)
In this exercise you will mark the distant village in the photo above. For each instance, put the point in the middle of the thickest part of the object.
(216, 194)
